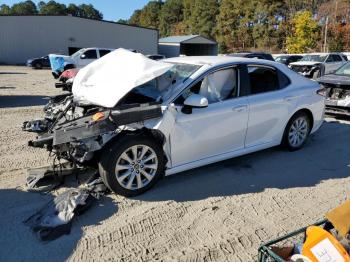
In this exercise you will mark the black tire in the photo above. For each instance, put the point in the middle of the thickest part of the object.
(69, 66)
(38, 66)
(316, 74)
(286, 141)
(111, 154)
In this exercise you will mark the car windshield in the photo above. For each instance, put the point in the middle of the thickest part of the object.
(314, 58)
(77, 54)
(344, 70)
(281, 58)
(163, 87)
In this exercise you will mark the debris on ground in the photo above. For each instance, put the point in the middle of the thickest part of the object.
(55, 218)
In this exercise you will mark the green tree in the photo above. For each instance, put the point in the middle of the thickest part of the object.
(123, 21)
(5, 10)
(227, 25)
(305, 33)
(88, 11)
(24, 8)
(73, 10)
(171, 14)
(135, 18)
(52, 8)
(150, 14)
(203, 17)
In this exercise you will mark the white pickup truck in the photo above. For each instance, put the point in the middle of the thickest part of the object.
(79, 59)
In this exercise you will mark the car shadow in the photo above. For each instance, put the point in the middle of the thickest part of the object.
(22, 101)
(19, 243)
(12, 73)
(7, 87)
(325, 156)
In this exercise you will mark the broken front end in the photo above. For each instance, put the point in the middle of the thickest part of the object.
(337, 99)
(78, 140)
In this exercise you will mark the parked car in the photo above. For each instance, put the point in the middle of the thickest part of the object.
(156, 57)
(287, 59)
(136, 119)
(317, 64)
(81, 58)
(258, 55)
(39, 63)
(337, 85)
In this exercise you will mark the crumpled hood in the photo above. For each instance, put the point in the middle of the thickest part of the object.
(305, 63)
(105, 81)
(58, 62)
(338, 80)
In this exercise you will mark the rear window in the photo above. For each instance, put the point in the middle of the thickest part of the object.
(104, 52)
(262, 79)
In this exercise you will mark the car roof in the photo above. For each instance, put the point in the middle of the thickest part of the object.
(218, 60)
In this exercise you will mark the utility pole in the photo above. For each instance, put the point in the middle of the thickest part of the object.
(325, 36)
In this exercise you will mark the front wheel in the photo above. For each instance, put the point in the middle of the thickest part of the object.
(132, 165)
(297, 131)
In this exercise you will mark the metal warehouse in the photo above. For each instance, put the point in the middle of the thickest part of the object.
(24, 37)
(189, 45)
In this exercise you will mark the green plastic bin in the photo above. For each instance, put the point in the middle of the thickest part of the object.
(298, 236)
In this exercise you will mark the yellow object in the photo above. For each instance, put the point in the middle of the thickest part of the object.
(339, 217)
(98, 116)
(321, 246)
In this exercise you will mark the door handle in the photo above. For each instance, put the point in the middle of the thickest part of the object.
(289, 98)
(239, 108)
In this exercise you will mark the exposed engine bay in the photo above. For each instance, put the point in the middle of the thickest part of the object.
(338, 100)
(75, 129)
(309, 71)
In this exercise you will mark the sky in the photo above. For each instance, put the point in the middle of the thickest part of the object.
(112, 10)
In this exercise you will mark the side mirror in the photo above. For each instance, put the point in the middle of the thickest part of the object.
(194, 101)
(83, 56)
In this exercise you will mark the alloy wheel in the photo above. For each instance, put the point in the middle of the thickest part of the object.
(298, 132)
(136, 167)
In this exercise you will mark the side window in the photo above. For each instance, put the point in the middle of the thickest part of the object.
(216, 87)
(284, 80)
(89, 54)
(337, 58)
(262, 79)
(104, 52)
(330, 59)
(345, 58)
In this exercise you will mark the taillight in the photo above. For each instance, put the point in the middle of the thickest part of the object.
(322, 92)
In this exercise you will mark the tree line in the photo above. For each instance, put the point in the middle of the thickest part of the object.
(51, 8)
(293, 26)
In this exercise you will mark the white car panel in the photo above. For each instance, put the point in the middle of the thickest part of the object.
(217, 129)
(268, 115)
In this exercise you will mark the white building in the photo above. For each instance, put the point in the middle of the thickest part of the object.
(24, 37)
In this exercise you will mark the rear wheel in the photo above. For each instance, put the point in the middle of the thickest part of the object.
(38, 66)
(297, 131)
(132, 165)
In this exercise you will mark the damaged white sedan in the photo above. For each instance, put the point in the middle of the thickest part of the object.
(136, 119)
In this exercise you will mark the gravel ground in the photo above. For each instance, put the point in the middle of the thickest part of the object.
(221, 212)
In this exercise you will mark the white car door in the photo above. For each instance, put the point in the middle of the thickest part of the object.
(216, 129)
(269, 105)
(87, 57)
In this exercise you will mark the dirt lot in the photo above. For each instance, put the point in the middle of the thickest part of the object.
(221, 212)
